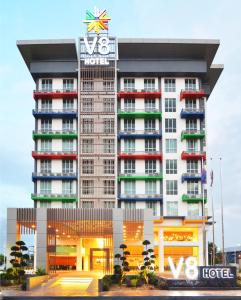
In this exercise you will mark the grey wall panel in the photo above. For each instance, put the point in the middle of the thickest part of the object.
(54, 67)
(162, 66)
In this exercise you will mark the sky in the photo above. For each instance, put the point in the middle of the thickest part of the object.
(43, 19)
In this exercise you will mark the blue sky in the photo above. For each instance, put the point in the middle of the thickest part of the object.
(27, 19)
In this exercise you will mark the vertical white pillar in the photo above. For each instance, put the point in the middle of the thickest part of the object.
(117, 231)
(161, 249)
(79, 256)
(41, 238)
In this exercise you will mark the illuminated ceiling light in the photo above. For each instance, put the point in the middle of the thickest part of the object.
(124, 226)
(68, 236)
(56, 230)
(139, 226)
(33, 226)
(49, 226)
(57, 236)
(63, 233)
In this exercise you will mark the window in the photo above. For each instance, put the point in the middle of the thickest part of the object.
(129, 84)
(67, 205)
(190, 84)
(149, 84)
(171, 166)
(88, 125)
(193, 210)
(108, 85)
(67, 166)
(150, 145)
(46, 105)
(171, 187)
(192, 187)
(170, 105)
(170, 125)
(68, 125)
(45, 166)
(192, 146)
(191, 124)
(190, 104)
(45, 187)
(109, 145)
(171, 146)
(129, 166)
(87, 187)
(68, 145)
(150, 187)
(109, 187)
(67, 187)
(68, 84)
(68, 104)
(172, 208)
(150, 105)
(192, 166)
(88, 204)
(109, 126)
(129, 187)
(88, 85)
(88, 166)
(87, 146)
(109, 204)
(88, 105)
(130, 205)
(109, 166)
(47, 85)
(170, 85)
(129, 146)
(46, 125)
(45, 204)
(46, 145)
(129, 125)
(150, 125)
(152, 205)
(129, 105)
(109, 105)
(150, 166)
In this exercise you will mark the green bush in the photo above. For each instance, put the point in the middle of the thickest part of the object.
(162, 284)
(152, 279)
(133, 282)
(106, 282)
(40, 272)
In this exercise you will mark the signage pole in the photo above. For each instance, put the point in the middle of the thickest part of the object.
(222, 220)
(203, 218)
(214, 252)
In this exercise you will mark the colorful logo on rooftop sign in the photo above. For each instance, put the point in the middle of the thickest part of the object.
(97, 20)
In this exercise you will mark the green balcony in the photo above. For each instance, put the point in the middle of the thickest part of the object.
(55, 135)
(194, 198)
(192, 134)
(141, 114)
(54, 197)
(140, 177)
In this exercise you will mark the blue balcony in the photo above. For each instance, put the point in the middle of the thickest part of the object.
(140, 197)
(140, 134)
(191, 176)
(190, 113)
(55, 113)
(53, 176)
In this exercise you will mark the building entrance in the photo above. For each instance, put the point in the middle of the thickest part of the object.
(99, 259)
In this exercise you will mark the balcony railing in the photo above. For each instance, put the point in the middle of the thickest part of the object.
(140, 176)
(55, 113)
(192, 113)
(192, 134)
(139, 113)
(54, 154)
(54, 94)
(140, 197)
(193, 155)
(54, 176)
(139, 134)
(141, 155)
(192, 94)
(191, 176)
(143, 93)
(54, 197)
(55, 134)
(194, 198)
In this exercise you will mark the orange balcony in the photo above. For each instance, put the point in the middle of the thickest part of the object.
(193, 155)
(54, 155)
(54, 94)
(139, 94)
(192, 94)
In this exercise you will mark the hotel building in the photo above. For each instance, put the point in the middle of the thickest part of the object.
(120, 151)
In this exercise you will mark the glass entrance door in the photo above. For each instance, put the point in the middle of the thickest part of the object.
(99, 259)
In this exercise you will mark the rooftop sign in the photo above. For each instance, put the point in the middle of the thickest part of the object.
(97, 20)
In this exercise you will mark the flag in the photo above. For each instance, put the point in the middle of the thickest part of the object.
(211, 177)
(203, 176)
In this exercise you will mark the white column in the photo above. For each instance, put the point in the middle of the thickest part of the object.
(161, 250)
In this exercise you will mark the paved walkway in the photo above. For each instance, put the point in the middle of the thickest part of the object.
(64, 284)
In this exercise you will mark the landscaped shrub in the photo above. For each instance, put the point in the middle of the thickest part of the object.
(162, 284)
(40, 272)
(106, 282)
(133, 282)
(152, 278)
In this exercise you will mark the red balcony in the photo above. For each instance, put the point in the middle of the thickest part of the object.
(55, 94)
(54, 155)
(139, 94)
(191, 94)
(140, 155)
(193, 155)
